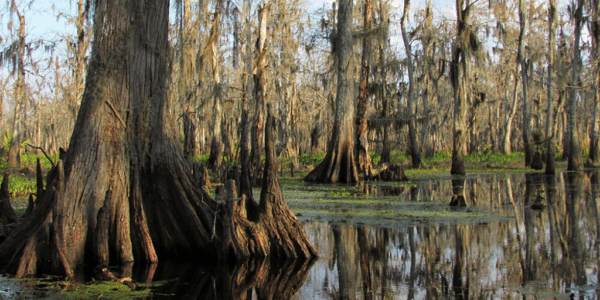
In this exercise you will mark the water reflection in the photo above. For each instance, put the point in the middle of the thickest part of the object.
(257, 279)
(548, 248)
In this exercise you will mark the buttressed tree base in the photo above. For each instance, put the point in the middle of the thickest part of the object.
(124, 192)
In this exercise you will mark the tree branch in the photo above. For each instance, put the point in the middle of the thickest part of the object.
(46, 154)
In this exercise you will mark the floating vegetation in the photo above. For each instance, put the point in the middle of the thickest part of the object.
(51, 287)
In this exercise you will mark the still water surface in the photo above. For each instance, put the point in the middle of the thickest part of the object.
(541, 241)
(550, 251)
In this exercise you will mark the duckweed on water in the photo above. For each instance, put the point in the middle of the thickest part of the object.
(53, 288)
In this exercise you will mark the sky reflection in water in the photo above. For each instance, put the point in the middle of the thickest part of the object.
(550, 252)
(547, 252)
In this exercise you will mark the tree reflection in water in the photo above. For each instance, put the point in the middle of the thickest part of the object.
(260, 279)
(550, 251)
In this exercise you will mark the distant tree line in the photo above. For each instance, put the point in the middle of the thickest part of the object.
(349, 79)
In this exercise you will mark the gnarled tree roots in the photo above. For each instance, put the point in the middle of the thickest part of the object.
(165, 215)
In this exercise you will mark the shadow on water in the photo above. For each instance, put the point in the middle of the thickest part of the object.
(262, 279)
(548, 248)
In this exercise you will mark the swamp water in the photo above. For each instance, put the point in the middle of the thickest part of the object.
(526, 236)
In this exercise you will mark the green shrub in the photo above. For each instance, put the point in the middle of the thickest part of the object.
(376, 158)
(202, 159)
(438, 157)
(307, 160)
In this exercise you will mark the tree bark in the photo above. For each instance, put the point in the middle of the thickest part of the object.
(415, 152)
(524, 63)
(550, 147)
(339, 164)
(507, 145)
(574, 158)
(216, 147)
(594, 150)
(260, 91)
(7, 213)
(361, 143)
(124, 142)
(14, 151)
(245, 183)
(459, 77)
(385, 148)
(187, 87)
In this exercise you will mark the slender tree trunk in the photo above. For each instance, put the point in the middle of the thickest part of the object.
(507, 145)
(415, 152)
(430, 71)
(524, 63)
(216, 146)
(550, 147)
(574, 159)
(245, 176)
(14, 152)
(361, 143)
(246, 170)
(594, 150)
(459, 76)
(155, 209)
(385, 149)
(339, 164)
(187, 69)
(189, 136)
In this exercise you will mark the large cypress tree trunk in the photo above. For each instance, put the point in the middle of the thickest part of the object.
(124, 145)
(338, 164)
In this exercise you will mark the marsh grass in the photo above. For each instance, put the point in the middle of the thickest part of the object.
(22, 181)
(21, 186)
